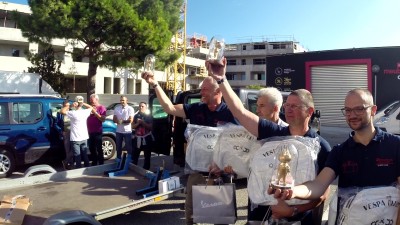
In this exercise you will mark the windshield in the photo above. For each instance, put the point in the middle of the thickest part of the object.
(391, 108)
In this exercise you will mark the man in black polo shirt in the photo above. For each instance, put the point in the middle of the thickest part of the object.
(211, 111)
(369, 157)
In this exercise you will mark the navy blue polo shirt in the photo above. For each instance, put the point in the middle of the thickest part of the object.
(375, 164)
(199, 114)
(268, 129)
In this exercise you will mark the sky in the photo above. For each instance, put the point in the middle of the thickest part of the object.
(315, 24)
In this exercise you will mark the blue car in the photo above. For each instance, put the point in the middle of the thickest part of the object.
(28, 134)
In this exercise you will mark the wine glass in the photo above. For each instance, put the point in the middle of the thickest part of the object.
(216, 50)
(149, 63)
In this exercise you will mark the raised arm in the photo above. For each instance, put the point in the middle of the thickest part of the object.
(246, 118)
(283, 210)
(176, 110)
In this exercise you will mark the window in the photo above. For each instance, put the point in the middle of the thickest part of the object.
(231, 62)
(257, 76)
(259, 61)
(157, 110)
(4, 113)
(55, 107)
(259, 47)
(77, 55)
(252, 102)
(27, 112)
(243, 61)
(236, 76)
(279, 46)
(15, 53)
(243, 47)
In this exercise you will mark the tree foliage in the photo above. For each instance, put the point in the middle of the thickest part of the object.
(109, 33)
(46, 64)
(254, 86)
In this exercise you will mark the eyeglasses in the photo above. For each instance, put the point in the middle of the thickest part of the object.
(357, 110)
(292, 106)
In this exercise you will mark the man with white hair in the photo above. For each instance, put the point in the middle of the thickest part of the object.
(269, 103)
(95, 129)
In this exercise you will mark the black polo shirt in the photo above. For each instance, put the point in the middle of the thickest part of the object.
(200, 114)
(375, 164)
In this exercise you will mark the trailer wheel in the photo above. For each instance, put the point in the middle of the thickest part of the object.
(109, 147)
(7, 163)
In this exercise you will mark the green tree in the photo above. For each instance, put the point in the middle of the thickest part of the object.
(111, 34)
(46, 64)
(254, 86)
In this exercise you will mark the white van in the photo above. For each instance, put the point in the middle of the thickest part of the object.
(388, 118)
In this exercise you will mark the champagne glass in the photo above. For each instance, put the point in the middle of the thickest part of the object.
(216, 50)
(149, 63)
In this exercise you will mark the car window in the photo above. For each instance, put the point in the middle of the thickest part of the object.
(252, 102)
(193, 100)
(158, 111)
(392, 108)
(29, 112)
(4, 113)
(54, 108)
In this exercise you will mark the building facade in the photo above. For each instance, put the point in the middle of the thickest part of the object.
(329, 75)
(246, 61)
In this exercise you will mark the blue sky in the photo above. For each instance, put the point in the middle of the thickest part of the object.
(317, 25)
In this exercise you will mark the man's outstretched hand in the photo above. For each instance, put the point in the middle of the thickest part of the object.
(281, 194)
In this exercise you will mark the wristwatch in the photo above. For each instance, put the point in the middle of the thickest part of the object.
(295, 211)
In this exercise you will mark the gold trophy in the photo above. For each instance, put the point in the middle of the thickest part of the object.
(282, 177)
(216, 50)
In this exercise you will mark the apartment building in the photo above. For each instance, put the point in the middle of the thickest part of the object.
(246, 61)
(12, 58)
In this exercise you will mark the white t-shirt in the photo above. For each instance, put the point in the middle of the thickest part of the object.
(79, 131)
(124, 114)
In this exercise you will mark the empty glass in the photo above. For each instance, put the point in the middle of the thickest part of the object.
(149, 63)
(216, 50)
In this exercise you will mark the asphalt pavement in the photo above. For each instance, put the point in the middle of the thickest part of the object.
(171, 211)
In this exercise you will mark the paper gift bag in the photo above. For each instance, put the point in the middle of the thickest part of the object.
(215, 204)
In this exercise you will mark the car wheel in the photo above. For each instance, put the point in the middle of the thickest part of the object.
(109, 147)
(7, 163)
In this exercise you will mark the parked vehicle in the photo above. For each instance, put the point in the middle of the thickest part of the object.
(28, 134)
(166, 127)
(388, 118)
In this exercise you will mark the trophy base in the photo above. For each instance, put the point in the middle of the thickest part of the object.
(278, 186)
